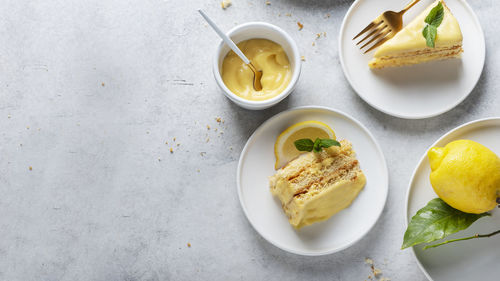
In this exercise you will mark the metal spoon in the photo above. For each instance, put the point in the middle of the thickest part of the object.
(257, 74)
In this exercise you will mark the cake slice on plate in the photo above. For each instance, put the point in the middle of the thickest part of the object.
(413, 45)
(315, 186)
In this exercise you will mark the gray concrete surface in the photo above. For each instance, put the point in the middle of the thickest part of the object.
(91, 91)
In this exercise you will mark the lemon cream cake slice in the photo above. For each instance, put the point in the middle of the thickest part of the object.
(316, 185)
(432, 35)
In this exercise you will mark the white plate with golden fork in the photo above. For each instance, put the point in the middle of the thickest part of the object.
(418, 91)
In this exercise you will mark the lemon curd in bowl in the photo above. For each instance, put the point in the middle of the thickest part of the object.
(267, 56)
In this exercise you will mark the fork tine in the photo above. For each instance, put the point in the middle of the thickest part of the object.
(371, 25)
(372, 34)
(375, 30)
(378, 35)
(380, 42)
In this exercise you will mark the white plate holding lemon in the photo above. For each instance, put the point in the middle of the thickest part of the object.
(271, 145)
(475, 258)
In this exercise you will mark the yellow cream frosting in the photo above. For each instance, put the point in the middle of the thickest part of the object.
(410, 38)
(316, 186)
(267, 56)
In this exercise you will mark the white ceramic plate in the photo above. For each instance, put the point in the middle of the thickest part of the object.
(264, 211)
(418, 91)
(476, 259)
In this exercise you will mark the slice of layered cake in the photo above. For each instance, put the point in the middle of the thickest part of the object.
(432, 35)
(315, 186)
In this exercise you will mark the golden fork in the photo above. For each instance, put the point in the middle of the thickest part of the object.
(384, 27)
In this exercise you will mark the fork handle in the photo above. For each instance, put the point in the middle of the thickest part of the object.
(411, 4)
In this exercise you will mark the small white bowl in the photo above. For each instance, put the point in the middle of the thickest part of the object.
(255, 30)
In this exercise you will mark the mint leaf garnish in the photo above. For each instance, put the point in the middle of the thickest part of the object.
(433, 20)
(430, 33)
(329, 142)
(304, 144)
(316, 146)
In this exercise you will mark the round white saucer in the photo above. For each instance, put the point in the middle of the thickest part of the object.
(417, 91)
(264, 211)
(475, 259)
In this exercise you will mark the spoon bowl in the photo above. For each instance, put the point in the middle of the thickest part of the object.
(257, 76)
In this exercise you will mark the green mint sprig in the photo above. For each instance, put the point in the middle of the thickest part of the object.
(316, 146)
(433, 20)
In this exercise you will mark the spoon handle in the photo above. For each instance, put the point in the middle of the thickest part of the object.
(226, 38)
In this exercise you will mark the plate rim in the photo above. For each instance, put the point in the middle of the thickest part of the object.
(411, 117)
(330, 250)
(417, 167)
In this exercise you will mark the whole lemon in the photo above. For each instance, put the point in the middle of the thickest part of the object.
(466, 175)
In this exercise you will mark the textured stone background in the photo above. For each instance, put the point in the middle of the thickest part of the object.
(90, 91)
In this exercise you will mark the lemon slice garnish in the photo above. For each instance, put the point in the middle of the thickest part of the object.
(284, 148)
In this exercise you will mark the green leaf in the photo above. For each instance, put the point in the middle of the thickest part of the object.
(304, 145)
(317, 145)
(433, 20)
(430, 33)
(435, 16)
(439, 15)
(326, 143)
(435, 221)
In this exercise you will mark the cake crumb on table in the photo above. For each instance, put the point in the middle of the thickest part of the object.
(225, 4)
(368, 261)
(31, 168)
(171, 150)
(302, 58)
(268, 2)
(189, 245)
(300, 25)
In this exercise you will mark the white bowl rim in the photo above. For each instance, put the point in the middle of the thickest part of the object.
(412, 179)
(271, 101)
(384, 179)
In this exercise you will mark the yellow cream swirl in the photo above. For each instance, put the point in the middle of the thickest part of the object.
(267, 56)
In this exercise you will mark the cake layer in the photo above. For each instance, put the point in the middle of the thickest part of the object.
(416, 57)
(315, 186)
